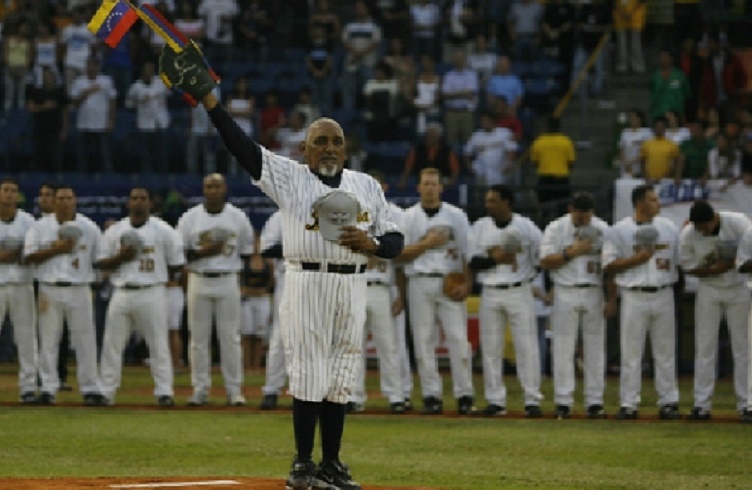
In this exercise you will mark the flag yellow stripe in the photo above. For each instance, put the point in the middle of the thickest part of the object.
(101, 15)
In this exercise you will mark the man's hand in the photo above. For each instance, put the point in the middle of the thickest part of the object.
(357, 240)
(721, 266)
(501, 257)
(10, 256)
(610, 308)
(398, 306)
(127, 253)
(187, 73)
(63, 246)
(579, 247)
(644, 254)
(435, 238)
(211, 249)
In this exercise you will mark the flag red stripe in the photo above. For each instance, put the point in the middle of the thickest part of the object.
(122, 27)
(166, 25)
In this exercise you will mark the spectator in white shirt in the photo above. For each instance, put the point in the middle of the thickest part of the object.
(382, 93)
(362, 39)
(291, 136)
(524, 23)
(77, 43)
(426, 20)
(630, 141)
(219, 16)
(725, 161)
(492, 150)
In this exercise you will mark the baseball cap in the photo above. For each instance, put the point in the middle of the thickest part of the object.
(701, 212)
(334, 210)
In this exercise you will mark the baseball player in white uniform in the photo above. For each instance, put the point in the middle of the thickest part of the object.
(64, 248)
(218, 238)
(744, 265)
(436, 245)
(175, 308)
(16, 288)
(504, 253)
(257, 283)
(142, 252)
(707, 249)
(571, 250)
(641, 255)
(276, 374)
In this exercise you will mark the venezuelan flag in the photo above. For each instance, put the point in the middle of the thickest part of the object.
(112, 21)
(154, 19)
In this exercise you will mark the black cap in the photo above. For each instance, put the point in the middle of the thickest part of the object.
(701, 212)
(583, 201)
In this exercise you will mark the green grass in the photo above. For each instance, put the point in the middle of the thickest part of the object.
(381, 449)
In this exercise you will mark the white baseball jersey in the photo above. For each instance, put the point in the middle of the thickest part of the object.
(660, 270)
(161, 247)
(585, 269)
(485, 234)
(382, 270)
(744, 252)
(75, 267)
(12, 236)
(295, 189)
(447, 258)
(697, 250)
(194, 228)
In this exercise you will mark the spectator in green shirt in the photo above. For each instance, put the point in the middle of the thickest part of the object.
(693, 154)
(669, 88)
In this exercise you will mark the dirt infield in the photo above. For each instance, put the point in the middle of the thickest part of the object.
(209, 483)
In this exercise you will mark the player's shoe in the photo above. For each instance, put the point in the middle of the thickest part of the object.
(562, 412)
(408, 405)
(533, 411)
(334, 475)
(397, 408)
(198, 399)
(492, 410)
(699, 413)
(745, 416)
(596, 412)
(65, 387)
(46, 399)
(670, 411)
(165, 401)
(354, 407)
(236, 400)
(92, 399)
(29, 398)
(301, 475)
(432, 406)
(269, 402)
(465, 405)
(627, 413)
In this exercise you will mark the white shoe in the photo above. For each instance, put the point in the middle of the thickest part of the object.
(199, 398)
(236, 400)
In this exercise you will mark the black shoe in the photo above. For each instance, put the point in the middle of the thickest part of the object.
(432, 406)
(301, 475)
(408, 405)
(746, 416)
(533, 411)
(93, 399)
(353, 407)
(493, 411)
(626, 413)
(465, 405)
(334, 474)
(269, 402)
(46, 399)
(165, 401)
(596, 412)
(669, 412)
(397, 408)
(698, 413)
(29, 398)
(562, 412)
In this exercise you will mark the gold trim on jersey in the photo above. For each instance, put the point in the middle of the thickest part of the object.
(315, 225)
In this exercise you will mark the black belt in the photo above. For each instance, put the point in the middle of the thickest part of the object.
(429, 274)
(136, 287)
(213, 275)
(377, 283)
(504, 286)
(649, 289)
(583, 285)
(334, 268)
(61, 284)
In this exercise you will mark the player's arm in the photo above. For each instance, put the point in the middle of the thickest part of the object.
(430, 240)
(621, 264)
(401, 280)
(58, 247)
(610, 306)
(123, 255)
(11, 256)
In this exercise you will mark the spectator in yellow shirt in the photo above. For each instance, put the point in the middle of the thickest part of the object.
(553, 154)
(659, 156)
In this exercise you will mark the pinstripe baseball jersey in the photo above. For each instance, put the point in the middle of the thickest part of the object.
(485, 235)
(75, 267)
(660, 270)
(161, 247)
(195, 228)
(585, 269)
(451, 256)
(295, 188)
(12, 235)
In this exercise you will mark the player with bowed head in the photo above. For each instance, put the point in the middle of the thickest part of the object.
(333, 219)
(142, 253)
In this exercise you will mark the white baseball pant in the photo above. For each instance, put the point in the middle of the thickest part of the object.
(404, 357)
(141, 310)
(321, 320)
(276, 373)
(513, 307)
(574, 307)
(427, 304)
(379, 321)
(175, 306)
(711, 304)
(255, 312)
(653, 313)
(214, 299)
(18, 301)
(71, 304)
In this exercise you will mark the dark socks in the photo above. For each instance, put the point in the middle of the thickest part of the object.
(332, 419)
(304, 417)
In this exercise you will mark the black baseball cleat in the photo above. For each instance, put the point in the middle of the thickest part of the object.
(670, 411)
(65, 387)
(334, 475)
(165, 401)
(627, 413)
(492, 411)
(596, 412)
(562, 412)
(533, 411)
(432, 406)
(465, 405)
(269, 402)
(354, 407)
(301, 476)
(93, 399)
(699, 413)
(408, 405)
(29, 398)
(397, 408)
(46, 399)
(745, 417)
